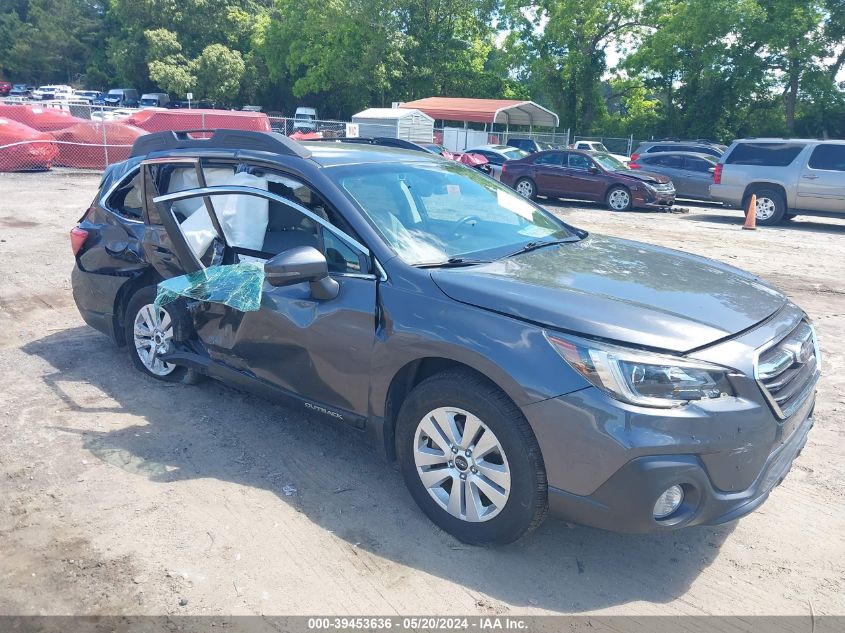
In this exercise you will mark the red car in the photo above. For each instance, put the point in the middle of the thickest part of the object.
(5, 88)
(583, 175)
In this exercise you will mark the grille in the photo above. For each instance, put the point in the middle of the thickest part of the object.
(788, 370)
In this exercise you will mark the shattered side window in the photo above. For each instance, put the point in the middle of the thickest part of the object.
(238, 286)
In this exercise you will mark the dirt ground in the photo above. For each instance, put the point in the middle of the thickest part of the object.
(123, 495)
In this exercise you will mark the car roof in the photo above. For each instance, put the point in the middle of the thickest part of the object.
(493, 147)
(709, 157)
(701, 143)
(803, 141)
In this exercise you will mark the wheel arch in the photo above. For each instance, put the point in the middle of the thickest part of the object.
(149, 277)
(403, 382)
(754, 186)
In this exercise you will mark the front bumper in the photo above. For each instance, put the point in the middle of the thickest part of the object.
(648, 200)
(624, 502)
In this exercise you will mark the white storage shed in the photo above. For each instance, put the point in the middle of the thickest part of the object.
(407, 124)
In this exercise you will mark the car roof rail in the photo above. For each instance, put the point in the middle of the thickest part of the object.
(391, 141)
(220, 139)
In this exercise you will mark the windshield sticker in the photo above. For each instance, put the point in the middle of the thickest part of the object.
(238, 286)
(453, 190)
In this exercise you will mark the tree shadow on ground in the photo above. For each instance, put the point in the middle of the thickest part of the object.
(210, 431)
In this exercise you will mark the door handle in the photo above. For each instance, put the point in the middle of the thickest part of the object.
(809, 176)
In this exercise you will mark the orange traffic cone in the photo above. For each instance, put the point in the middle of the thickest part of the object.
(751, 214)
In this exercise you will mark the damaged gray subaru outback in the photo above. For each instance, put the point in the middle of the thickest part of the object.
(512, 364)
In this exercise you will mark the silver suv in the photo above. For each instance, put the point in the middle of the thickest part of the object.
(788, 176)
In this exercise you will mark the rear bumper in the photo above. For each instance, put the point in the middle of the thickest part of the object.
(729, 195)
(624, 503)
(95, 296)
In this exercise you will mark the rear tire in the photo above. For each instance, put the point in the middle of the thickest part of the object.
(526, 188)
(771, 207)
(470, 459)
(149, 334)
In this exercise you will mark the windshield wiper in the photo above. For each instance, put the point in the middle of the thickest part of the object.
(533, 246)
(453, 262)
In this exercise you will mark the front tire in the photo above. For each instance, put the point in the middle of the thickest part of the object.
(150, 333)
(526, 188)
(619, 199)
(470, 459)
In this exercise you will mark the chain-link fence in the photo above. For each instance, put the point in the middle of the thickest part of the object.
(614, 145)
(37, 136)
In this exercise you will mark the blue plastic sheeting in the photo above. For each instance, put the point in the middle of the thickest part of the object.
(238, 286)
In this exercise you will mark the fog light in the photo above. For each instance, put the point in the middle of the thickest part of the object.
(668, 502)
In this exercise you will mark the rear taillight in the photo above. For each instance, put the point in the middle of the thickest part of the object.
(717, 174)
(77, 239)
(633, 165)
(634, 157)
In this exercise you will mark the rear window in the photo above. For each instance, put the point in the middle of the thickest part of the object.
(828, 157)
(764, 154)
(552, 158)
(665, 161)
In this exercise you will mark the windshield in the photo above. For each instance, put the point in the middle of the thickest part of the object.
(433, 212)
(307, 117)
(609, 163)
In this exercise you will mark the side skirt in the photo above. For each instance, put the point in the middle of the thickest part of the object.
(255, 385)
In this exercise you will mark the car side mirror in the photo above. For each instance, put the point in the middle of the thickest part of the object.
(593, 169)
(300, 264)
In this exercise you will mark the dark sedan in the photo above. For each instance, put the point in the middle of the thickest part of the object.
(691, 172)
(593, 176)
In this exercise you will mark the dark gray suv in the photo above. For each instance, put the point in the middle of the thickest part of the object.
(511, 363)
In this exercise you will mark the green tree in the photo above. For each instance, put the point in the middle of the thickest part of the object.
(168, 67)
(565, 44)
(219, 71)
(46, 41)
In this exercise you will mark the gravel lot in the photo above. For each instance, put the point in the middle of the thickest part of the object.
(119, 494)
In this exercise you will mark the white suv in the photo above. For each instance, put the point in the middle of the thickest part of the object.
(788, 176)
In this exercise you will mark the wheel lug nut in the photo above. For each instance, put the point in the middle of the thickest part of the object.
(473, 470)
(451, 464)
(455, 450)
(468, 453)
(463, 476)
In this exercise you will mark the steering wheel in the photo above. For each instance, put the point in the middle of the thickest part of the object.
(464, 221)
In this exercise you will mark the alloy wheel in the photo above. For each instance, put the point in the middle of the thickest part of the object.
(462, 464)
(153, 331)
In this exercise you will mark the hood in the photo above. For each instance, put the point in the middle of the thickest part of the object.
(618, 290)
(645, 176)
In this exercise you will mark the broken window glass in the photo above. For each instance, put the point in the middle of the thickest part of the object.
(238, 286)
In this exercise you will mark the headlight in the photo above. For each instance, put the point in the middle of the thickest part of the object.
(643, 378)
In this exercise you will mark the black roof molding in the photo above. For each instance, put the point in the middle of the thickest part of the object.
(220, 139)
